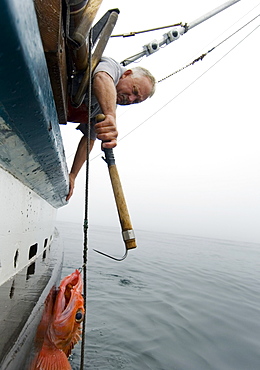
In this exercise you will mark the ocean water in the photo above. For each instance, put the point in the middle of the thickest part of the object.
(176, 302)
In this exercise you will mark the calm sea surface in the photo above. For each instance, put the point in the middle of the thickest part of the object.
(176, 302)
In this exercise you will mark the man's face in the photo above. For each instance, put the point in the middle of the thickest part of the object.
(132, 90)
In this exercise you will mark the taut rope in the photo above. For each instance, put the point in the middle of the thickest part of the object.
(85, 226)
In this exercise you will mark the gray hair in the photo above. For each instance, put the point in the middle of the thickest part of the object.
(143, 72)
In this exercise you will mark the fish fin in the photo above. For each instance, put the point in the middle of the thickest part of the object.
(52, 359)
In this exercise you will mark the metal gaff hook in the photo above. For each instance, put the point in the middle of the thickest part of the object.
(129, 239)
(113, 258)
(126, 226)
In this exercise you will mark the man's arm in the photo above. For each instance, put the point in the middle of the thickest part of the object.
(105, 92)
(79, 160)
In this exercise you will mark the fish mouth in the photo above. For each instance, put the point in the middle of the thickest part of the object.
(70, 289)
(68, 313)
(68, 293)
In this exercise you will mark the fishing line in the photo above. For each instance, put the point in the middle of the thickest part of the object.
(85, 226)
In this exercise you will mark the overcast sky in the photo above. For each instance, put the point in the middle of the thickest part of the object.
(192, 164)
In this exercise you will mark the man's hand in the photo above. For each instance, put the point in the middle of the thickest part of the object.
(71, 185)
(107, 132)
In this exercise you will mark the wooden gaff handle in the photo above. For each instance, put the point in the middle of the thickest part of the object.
(126, 226)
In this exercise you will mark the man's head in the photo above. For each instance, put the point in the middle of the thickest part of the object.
(135, 86)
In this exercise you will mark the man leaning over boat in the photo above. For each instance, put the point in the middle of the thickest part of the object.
(112, 84)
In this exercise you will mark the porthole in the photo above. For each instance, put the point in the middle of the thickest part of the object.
(50, 242)
(30, 270)
(33, 250)
(11, 293)
(16, 258)
(45, 243)
(44, 254)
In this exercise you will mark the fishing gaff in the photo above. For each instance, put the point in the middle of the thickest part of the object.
(126, 226)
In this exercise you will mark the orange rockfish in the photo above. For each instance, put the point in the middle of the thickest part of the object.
(60, 327)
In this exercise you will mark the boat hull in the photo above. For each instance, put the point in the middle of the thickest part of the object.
(26, 228)
(33, 183)
(22, 301)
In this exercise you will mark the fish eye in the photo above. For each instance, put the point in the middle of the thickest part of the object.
(79, 316)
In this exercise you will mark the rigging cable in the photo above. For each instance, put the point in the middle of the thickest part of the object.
(85, 225)
(98, 155)
(133, 33)
(148, 30)
(178, 70)
(188, 86)
(201, 57)
(182, 91)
